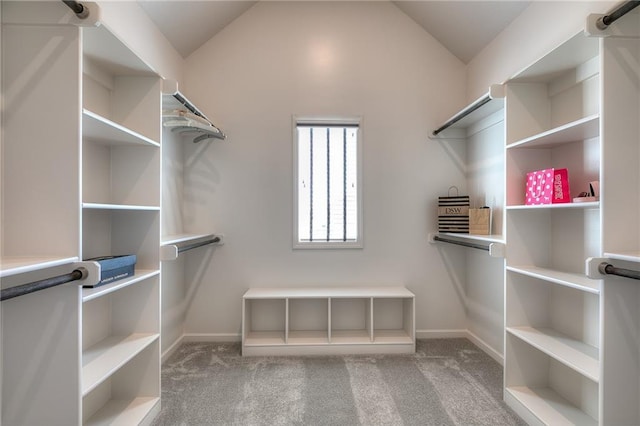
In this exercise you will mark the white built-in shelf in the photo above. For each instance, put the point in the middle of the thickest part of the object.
(568, 279)
(95, 292)
(589, 205)
(579, 130)
(549, 407)
(106, 132)
(629, 256)
(14, 265)
(182, 238)
(327, 292)
(101, 46)
(475, 237)
(391, 337)
(101, 360)
(391, 310)
(103, 206)
(172, 245)
(264, 338)
(123, 412)
(573, 353)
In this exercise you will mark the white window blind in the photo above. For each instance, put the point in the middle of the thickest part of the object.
(328, 208)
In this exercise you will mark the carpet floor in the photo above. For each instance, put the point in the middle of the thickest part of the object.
(446, 382)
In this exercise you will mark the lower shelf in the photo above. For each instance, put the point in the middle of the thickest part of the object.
(105, 357)
(125, 412)
(546, 406)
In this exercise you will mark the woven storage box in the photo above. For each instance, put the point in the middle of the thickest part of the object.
(453, 213)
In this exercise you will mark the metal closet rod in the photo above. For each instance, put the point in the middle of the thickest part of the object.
(79, 9)
(186, 246)
(625, 8)
(608, 269)
(462, 114)
(32, 287)
(461, 243)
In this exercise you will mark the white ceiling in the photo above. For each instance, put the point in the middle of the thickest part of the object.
(463, 27)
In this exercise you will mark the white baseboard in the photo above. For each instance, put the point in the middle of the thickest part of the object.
(486, 348)
(420, 334)
(211, 337)
(166, 354)
(440, 334)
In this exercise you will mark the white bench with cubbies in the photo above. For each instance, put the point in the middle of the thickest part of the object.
(328, 320)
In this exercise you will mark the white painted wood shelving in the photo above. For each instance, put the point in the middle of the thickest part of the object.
(328, 320)
(95, 105)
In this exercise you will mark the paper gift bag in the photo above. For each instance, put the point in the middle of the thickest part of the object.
(480, 221)
(548, 186)
(453, 213)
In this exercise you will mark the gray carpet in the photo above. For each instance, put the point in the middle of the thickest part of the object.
(446, 382)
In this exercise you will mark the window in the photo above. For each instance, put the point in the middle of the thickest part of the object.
(327, 183)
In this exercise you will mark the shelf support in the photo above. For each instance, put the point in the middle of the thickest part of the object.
(599, 268)
(172, 251)
(82, 271)
(495, 91)
(494, 249)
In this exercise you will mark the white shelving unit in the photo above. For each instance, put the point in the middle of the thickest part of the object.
(552, 338)
(121, 159)
(328, 320)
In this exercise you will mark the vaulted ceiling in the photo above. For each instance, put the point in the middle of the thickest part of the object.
(463, 27)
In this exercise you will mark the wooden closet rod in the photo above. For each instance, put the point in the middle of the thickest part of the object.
(21, 290)
(461, 243)
(608, 269)
(625, 8)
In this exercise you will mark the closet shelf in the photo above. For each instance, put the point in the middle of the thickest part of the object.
(103, 47)
(568, 279)
(124, 412)
(589, 205)
(104, 358)
(484, 106)
(106, 132)
(629, 256)
(494, 243)
(95, 292)
(172, 246)
(574, 354)
(548, 406)
(579, 130)
(14, 265)
(182, 116)
(100, 206)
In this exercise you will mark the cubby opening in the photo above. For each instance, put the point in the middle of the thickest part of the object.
(308, 321)
(264, 321)
(351, 320)
(393, 320)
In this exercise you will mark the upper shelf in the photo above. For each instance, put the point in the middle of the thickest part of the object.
(579, 130)
(569, 55)
(105, 131)
(15, 265)
(489, 103)
(101, 46)
(180, 115)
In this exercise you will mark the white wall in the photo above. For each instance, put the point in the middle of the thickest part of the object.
(319, 58)
(539, 29)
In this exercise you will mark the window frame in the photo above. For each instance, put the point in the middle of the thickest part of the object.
(326, 121)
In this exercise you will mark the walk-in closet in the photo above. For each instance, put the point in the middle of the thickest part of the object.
(243, 212)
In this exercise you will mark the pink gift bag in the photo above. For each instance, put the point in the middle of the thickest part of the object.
(548, 186)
